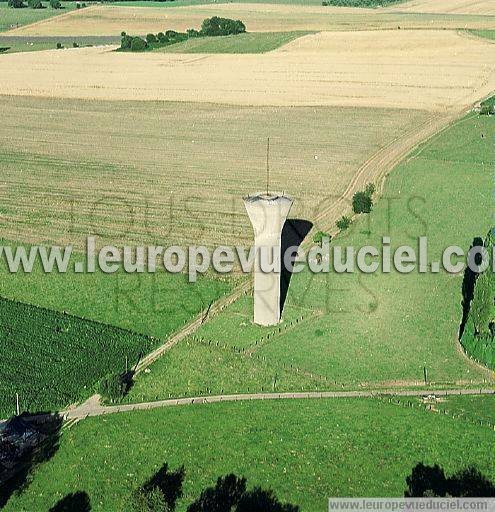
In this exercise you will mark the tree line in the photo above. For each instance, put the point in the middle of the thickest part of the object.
(211, 27)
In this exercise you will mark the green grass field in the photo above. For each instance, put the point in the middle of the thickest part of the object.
(52, 360)
(152, 304)
(487, 34)
(11, 18)
(381, 328)
(306, 450)
(256, 42)
(30, 44)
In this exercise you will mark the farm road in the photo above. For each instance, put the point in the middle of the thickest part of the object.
(93, 408)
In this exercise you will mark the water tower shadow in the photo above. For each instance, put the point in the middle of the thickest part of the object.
(293, 233)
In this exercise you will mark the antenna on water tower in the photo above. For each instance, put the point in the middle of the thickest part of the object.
(267, 164)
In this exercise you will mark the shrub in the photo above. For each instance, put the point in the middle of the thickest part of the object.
(75, 45)
(78, 5)
(171, 34)
(343, 223)
(59, 46)
(113, 387)
(361, 203)
(138, 44)
(125, 42)
(370, 189)
(162, 38)
(487, 107)
(192, 33)
(55, 4)
(151, 38)
(35, 4)
(319, 236)
(16, 4)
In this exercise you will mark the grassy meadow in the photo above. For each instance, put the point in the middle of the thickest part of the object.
(378, 329)
(154, 304)
(267, 442)
(487, 34)
(11, 18)
(255, 42)
(17, 44)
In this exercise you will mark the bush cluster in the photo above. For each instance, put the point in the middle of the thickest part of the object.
(55, 4)
(343, 223)
(362, 202)
(138, 44)
(214, 26)
(16, 4)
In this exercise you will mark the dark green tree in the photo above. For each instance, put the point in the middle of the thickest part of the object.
(16, 4)
(343, 223)
(151, 39)
(138, 44)
(361, 203)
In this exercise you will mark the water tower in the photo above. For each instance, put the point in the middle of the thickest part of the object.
(267, 212)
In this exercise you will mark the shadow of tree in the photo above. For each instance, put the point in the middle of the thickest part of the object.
(293, 233)
(430, 481)
(74, 502)
(468, 283)
(25, 442)
(230, 495)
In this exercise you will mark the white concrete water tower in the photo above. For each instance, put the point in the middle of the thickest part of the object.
(268, 213)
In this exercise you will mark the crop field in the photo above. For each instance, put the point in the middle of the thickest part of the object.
(333, 69)
(255, 42)
(400, 323)
(268, 443)
(13, 18)
(53, 359)
(485, 7)
(259, 17)
(172, 149)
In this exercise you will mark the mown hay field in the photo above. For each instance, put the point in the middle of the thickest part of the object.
(172, 173)
(258, 17)
(433, 70)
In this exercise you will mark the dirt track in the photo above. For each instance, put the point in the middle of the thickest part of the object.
(93, 408)
(430, 70)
